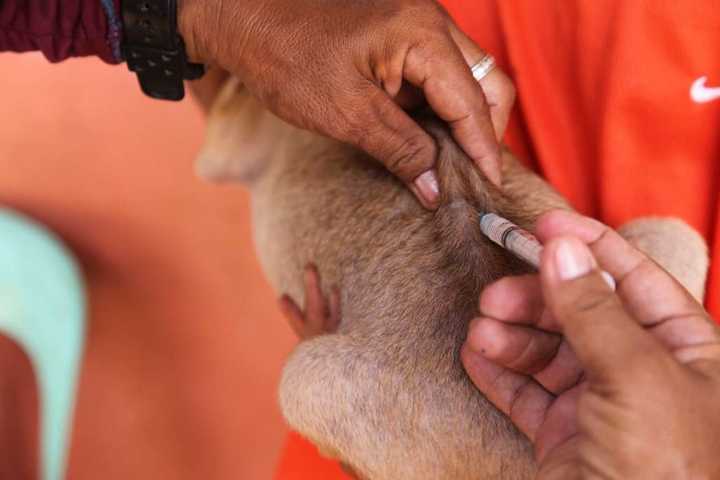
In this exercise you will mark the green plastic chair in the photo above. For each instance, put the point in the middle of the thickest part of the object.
(42, 308)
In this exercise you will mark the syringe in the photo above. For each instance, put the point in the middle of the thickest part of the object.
(521, 243)
(518, 241)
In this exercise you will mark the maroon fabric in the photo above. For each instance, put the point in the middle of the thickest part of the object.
(59, 28)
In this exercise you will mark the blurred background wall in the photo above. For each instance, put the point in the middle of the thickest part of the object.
(185, 342)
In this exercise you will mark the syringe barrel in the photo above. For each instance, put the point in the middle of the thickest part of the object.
(511, 237)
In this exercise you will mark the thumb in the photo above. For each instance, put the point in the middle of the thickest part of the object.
(605, 338)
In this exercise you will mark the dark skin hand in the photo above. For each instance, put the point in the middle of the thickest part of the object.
(348, 69)
(611, 385)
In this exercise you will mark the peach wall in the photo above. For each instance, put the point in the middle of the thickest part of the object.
(185, 342)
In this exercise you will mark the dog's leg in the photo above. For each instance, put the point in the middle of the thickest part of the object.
(321, 314)
(675, 246)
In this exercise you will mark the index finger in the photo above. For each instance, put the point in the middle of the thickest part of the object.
(438, 68)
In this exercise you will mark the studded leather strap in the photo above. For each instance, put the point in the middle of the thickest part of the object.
(154, 50)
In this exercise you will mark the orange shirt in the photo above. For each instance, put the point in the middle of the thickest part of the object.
(605, 113)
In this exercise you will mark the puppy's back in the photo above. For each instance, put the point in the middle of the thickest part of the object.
(387, 394)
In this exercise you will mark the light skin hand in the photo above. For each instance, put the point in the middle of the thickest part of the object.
(606, 385)
(347, 69)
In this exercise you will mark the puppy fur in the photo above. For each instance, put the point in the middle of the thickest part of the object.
(386, 394)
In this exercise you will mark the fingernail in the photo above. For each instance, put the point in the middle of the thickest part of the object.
(494, 175)
(609, 280)
(573, 260)
(427, 185)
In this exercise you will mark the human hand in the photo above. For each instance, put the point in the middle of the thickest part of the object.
(605, 385)
(346, 69)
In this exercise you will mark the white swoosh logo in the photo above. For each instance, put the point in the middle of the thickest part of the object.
(702, 94)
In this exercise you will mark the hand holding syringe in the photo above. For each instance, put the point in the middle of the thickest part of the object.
(519, 242)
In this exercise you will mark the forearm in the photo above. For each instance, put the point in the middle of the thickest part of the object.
(62, 28)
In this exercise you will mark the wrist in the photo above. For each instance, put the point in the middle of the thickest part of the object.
(154, 49)
(191, 16)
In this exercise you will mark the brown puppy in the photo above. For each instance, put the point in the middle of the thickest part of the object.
(386, 392)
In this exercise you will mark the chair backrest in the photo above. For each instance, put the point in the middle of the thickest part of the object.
(42, 308)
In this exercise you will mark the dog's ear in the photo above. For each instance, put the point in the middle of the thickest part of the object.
(241, 136)
(205, 90)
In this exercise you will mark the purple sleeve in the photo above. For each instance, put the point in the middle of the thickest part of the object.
(62, 28)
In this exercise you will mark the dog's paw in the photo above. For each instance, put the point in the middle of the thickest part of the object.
(321, 315)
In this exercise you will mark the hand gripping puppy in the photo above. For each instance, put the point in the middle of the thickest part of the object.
(385, 393)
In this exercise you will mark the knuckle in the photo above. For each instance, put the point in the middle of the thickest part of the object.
(593, 301)
(410, 157)
(431, 51)
(423, 20)
(508, 92)
(648, 368)
(403, 20)
(425, 10)
(553, 216)
(418, 60)
(630, 449)
(639, 366)
(352, 121)
(584, 298)
(422, 52)
(479, 109)
(406, 155)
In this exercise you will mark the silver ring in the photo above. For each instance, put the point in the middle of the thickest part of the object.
(484, 66)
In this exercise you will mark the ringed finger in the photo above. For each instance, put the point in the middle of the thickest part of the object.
(439, 69)
(499, 89)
